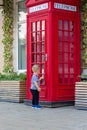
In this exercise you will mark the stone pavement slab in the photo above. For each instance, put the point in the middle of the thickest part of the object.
(14, 116)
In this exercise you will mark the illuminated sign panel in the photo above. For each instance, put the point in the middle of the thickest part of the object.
(38, 8)
(65, 7)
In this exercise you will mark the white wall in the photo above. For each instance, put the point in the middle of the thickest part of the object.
(1, 45)
(15, 42)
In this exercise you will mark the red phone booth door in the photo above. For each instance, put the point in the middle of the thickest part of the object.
(68, 51)
(38, 49)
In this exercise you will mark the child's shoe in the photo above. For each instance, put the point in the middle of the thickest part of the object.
(38, 107)
(33, 106)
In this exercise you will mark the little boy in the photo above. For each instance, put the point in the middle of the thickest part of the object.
(35, 86)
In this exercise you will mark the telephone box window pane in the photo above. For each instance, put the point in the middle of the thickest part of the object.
(34, 37)
(43, 74)
(43, 25)
(38, 26)
(66, 79)
(43, 68)
(72, 57)
(66, 52)
(72, 79)
(60, 57)
(33, 26)
(60, 69)
(39, 47)
(60, 36)
(38, 58)
(71, 26)
(60, 46)
(72, 70)
(43, 35)
(66, 68)
(61, 78)
(38, 36)
(71, 36)
(66, 37)
(65, 25)
(33, 57)
(71, 47)
(60, 24)
(43, 48)
(66, 57)
(33, 47)
(43, 58)
(66, 46)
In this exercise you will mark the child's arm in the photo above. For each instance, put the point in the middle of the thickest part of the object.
(36, 84)
(41, 78)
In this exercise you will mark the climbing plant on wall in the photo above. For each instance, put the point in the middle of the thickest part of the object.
(7, 35)
(84, 32)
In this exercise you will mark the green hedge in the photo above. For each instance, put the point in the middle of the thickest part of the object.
(13, 76)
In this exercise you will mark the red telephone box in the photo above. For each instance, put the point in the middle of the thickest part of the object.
(53, 42)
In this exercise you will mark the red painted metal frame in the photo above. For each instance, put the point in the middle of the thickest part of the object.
(53, 91)
(66, 91)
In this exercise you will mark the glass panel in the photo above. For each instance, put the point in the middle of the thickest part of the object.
(71, 66)
(65, 25)
(72, 70)
(43, 74)
(60, 69)
(42, 70)
(66, 68)
(43, 48)
(71, 26)
(38, 36)
(66, 57)
(66, 78)
(21, 46)
(72, 79)
(66, 38)
(66, 50)
(34, 37)
(33, 57)
(33, 26)
(60, 57)
(71, 36)
(60, 46)
(71, 57)
(61, 78)
(43, 35)
(60, 24)
(38, 58)
(33, 47)
(60, 36)
(38, 26)
(66, 47)
(71, 47)
(21, 11)
(43, 25)
(43, 58)
(38, 47)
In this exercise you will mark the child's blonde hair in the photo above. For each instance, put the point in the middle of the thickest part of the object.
(35, 68)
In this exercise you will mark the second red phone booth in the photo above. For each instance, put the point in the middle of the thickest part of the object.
(53, 42)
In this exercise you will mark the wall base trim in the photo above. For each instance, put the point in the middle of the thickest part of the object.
(51, 104)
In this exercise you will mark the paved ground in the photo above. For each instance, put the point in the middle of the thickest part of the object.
(14, 116)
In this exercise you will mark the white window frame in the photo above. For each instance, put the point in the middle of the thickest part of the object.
(15, 43)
